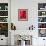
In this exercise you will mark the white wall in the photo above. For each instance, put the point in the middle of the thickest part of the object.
(32, 6)
(32, 13)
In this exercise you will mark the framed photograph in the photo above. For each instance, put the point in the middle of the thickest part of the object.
(23, 14)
